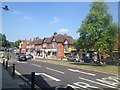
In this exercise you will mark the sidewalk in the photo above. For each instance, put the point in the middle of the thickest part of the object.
(50, 58)
(12, 83)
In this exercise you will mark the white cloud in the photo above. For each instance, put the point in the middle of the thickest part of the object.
(63, 30)
(54, 20)
(27, 17)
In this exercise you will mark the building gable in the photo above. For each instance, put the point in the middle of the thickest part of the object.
(66, 42)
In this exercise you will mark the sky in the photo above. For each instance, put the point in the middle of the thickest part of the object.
(27, 20)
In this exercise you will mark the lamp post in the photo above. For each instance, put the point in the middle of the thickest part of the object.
(6, 9)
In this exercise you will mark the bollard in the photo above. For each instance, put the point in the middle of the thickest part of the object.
(13, 69)
(6, 64)
(33, 81)
(3, 62)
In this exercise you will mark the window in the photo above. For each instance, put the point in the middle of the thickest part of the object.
(54, 45)
(44, 45)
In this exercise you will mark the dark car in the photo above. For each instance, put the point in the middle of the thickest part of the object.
(86, 59)
(22, 57)
(17, 53)
(29, 56)
(111, 61)
(73, 58)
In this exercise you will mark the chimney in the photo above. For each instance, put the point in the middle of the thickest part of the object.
(37, 37)
(55, 33)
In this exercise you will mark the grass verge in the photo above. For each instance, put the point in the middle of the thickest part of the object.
(110, 69)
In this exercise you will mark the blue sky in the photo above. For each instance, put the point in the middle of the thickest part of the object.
(27, 20)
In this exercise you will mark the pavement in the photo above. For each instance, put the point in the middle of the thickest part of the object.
(9, 82)
(50, 58)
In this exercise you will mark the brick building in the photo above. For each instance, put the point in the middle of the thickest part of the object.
(55, 46)
(35, 45)
(23, 46)
(58, 45)
(116, 52)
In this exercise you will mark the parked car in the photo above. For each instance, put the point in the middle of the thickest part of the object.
(29, 56)
(86, 59)
(22, 57)
(73, 58)
(111, 61)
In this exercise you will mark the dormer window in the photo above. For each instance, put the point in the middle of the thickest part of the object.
(53, 39)
(66, 42)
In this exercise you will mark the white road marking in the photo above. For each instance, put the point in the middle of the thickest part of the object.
(36, 65)
(73, 86)
(107, 81)
(81, 72)
(84, 85)
(96, 82)
(51, 77)
(115, 78)
(21, 62)
(55, 70)
(12, 61)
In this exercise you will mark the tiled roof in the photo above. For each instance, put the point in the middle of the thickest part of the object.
(36, 41)
(62, 38)
(59, 38)
(47, 40)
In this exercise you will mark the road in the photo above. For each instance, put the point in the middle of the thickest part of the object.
(49, 76)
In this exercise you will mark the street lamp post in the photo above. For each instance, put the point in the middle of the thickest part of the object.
(6, 9)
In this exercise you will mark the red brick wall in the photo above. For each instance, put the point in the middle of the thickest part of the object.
(24, 45)
(60, 50)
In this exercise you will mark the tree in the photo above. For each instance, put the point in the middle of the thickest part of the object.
(3, 41)
(112, 36)
(98, 32)
(75, 44)
(17, 43)
(12, 44)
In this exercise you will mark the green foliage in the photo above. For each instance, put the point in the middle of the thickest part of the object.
(5, 43)
(12, 44)
(98, 32)
(16, 44)
(75, 44)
